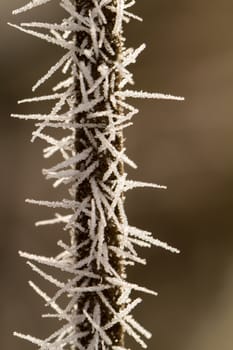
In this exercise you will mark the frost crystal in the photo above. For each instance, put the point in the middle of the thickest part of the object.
(90, 106)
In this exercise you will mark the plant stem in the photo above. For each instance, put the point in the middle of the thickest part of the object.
(115, 333)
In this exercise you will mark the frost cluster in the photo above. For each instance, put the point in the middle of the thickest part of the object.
(90, 106)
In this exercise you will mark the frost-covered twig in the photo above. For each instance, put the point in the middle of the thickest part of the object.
(90, 103)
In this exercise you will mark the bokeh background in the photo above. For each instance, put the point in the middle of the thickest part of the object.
(187, 146)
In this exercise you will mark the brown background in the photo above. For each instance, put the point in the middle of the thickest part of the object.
(186, 146)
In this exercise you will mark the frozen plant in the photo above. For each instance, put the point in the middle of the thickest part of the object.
(90, 105)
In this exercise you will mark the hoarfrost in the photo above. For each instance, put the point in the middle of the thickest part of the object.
(99, 113)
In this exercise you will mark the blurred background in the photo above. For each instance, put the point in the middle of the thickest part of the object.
(187, 146)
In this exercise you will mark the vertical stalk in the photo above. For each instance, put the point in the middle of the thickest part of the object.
(111, 234)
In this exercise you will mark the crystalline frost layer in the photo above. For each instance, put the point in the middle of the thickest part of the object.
(99, 111)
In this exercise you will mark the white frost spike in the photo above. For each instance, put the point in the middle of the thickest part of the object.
(51, 71)
(146, 237)
(89, 106)
(31, 339)
(138, 327)
(129, 185)
(66, 204)
(48, 38)
(119, 17)
(57, 220)
(69, 162)
(41, 98)
(30, 5)
(142, 94)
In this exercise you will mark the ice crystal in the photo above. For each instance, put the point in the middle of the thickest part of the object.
(90, 103)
